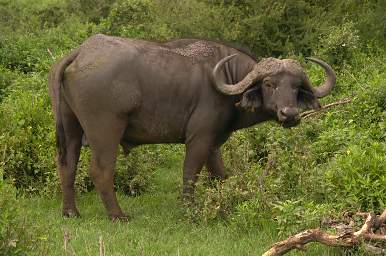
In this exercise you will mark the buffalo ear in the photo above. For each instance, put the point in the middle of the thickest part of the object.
(307, 100)
(251, 99)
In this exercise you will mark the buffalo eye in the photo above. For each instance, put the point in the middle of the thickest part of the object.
(271, 85)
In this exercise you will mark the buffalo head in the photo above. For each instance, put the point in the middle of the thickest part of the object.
(279, 87)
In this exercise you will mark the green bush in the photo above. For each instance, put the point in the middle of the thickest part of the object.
(339, 44)
(357, 178)
(29, 52)
(6, 78)
(222, 199)
(90, 10)
(27, 138)
(294, 215)
(131, 15)
(134, 172)
(52, 15)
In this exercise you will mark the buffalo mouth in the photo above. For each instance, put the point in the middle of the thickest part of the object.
(289, 117)
(290, 123)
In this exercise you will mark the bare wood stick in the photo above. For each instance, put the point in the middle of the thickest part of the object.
(66, 238)
(381, 219)
(374, 250)
(366, 227)
(374, 237)
(3, 163)
(346, 239)
(142, 251)
(301, 239)
(309, 113)
(50, 53)
(101, 247)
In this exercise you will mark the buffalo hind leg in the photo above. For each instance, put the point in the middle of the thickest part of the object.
(67, 171)
(215, 165)
(104, 146)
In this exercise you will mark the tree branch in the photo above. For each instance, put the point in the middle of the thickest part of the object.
(344, 239)
(309, 113)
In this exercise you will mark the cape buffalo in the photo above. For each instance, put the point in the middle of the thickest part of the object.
(197, 92)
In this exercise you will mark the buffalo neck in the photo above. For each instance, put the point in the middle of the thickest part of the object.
(246, 118)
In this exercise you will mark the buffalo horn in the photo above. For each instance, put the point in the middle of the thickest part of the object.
(233, 89)
(329, 84)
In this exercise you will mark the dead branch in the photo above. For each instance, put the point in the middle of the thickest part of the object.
(68, 249)
(101, 247)
(66, 239)
(50, 53)
(309, 113)
(381, 220)
(343, 239)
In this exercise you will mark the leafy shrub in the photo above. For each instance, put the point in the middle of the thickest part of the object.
(129, 18)
(6, 78)
(52, 15)
(32, 52)
(294, 215)
(220, 200)
(27, 139)
(339, 44)
(91, 10)
(10, 14)
(133, 173)
(367, 16)
(357, 178)
(270, 32)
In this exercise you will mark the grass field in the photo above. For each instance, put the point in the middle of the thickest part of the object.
(159, 226)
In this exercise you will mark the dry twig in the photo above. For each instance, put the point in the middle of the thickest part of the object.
(50, 53)
(345, 239)
(309, 113)
(68, 249)
(66, 239)
(101, 247)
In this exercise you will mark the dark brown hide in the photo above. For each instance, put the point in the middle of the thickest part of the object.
(133, 92)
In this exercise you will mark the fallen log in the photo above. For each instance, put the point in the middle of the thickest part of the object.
(373, 230)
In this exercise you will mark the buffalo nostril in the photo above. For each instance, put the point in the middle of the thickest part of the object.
(289, 112)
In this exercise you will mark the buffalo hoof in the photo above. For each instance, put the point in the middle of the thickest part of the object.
(187, 198)
(70, 213)
(122, 217)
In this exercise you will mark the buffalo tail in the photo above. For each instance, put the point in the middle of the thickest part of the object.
(55, 83)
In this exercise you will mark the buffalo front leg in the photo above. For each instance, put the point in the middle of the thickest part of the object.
(215, 165)
(197, 152)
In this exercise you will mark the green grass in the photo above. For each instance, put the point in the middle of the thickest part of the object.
(158, 226)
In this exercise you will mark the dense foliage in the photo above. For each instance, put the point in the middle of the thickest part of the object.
(332, 161)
